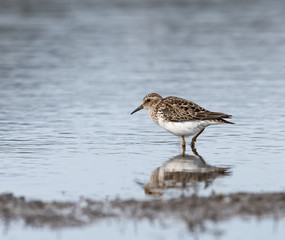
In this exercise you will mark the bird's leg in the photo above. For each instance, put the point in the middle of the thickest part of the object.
(196, 153)
(183, 146)
(195, 138)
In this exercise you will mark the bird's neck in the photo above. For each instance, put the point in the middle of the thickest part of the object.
(152, 111)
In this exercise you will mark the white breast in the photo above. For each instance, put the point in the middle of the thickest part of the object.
(184, 128)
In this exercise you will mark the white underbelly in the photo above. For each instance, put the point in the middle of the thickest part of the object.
(185, 128)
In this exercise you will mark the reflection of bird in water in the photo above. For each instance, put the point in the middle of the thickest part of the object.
(180, 171)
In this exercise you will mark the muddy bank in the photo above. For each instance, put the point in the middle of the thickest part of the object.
(193, 211)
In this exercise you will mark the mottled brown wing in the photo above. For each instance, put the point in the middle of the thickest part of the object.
(180, 110)
(207, 115)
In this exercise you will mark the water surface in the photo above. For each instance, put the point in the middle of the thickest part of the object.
(72, 71)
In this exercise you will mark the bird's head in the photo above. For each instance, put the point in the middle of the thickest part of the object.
(149, 101)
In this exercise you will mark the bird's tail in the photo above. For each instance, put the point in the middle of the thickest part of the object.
(223, 121)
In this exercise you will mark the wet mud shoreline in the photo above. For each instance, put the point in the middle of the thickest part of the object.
(193, 211)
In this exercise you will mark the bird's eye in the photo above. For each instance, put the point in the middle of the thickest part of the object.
(148, 100)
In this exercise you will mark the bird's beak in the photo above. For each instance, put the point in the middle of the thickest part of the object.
(137, 109)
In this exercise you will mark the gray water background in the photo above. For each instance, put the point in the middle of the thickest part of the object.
(72, 71)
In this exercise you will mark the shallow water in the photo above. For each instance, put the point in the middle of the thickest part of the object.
(231, 230)
(71, 73)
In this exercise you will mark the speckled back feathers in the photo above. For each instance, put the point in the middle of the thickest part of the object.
(176, 109)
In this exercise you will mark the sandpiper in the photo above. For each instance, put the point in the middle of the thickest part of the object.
(181, 117)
